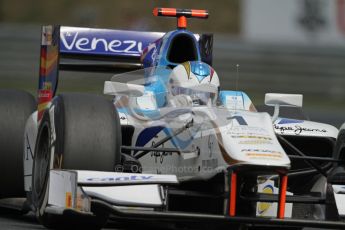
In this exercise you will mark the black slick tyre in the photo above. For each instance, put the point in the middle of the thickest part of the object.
(15, 108)
(80, 132)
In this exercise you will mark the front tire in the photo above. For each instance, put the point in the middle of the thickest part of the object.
(15, 108)
(79, 132)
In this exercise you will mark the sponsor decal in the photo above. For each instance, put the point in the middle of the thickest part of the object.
(289, 121)
(48, 67)
(75, 41)
(44, 97)
(234, 101)
(105, 42)
(123, 118)
(247, 130)
(209, 164)
(254, 137)
(47, 35)
(269, 209)
(47, 86)
(262, 153)
(239, 119)
(28, 149)
(68, 200)
(297, 129)
(152, 48)
(260, 150)
(160, 155)
(263, 207)
(255, 142)
(83, 201)
(150, 54)
(210, 146)
(119, 178)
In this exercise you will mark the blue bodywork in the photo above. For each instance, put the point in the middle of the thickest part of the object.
(155, 56)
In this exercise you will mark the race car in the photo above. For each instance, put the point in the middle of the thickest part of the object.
(171, 146)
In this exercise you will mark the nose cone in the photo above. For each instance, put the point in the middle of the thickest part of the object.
(249, 139)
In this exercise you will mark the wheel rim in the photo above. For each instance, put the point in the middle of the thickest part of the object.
(41, 166)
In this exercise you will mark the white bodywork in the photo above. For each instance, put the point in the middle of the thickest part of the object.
(339, 195)
(273, 99)
(294, 127)
(74, 189)
(118, 88)
(217, 139)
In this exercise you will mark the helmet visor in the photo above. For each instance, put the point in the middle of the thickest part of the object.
(199, 98)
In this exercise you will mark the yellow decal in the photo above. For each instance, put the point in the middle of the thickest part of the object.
(186, 65)
(254, 142)
(264, 206)
(68, 200)
(263, 155)
(47, 85)
(80, 205)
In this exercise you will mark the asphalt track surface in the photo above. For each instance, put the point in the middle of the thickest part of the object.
(10, 220)
(15, 221)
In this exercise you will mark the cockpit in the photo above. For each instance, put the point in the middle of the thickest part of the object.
(182, 48)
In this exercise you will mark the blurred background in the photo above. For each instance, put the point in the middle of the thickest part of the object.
(287, 46)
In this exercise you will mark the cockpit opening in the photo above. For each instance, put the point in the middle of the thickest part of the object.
(182, 49)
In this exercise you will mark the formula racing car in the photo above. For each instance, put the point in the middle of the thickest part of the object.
(170, 146)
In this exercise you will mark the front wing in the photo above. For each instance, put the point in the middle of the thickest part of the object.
(143, 196)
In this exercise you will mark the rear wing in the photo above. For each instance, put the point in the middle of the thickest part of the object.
(102, 48)
(89, 49)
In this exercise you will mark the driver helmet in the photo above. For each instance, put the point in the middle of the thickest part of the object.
(196, 81)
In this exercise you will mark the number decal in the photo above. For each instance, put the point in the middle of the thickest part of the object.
(239, 119)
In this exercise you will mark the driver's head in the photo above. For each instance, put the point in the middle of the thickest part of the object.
(196, 79)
